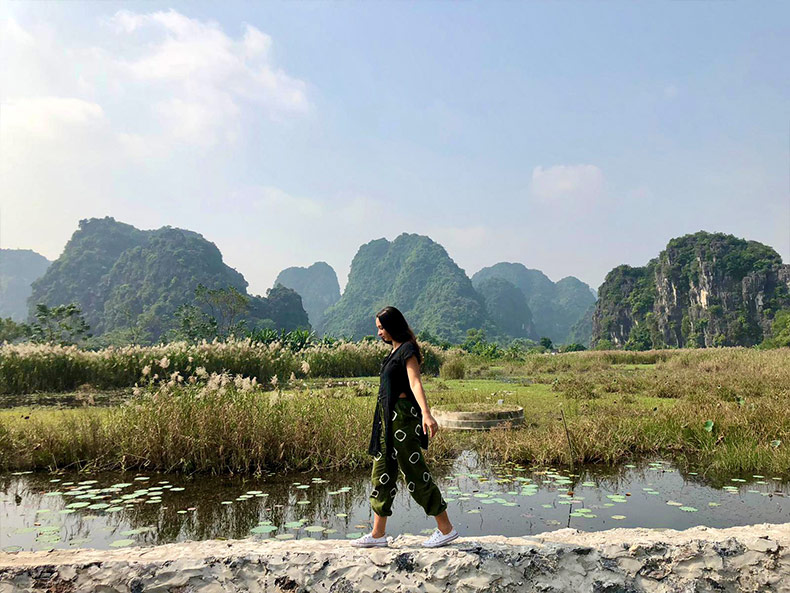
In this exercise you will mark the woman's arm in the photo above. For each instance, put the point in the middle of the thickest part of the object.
(429, 424)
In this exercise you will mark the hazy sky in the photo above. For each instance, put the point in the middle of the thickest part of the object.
(571, 137)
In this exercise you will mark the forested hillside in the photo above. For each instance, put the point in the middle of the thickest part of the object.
(554, 308)
(414, 274)
(125, 278)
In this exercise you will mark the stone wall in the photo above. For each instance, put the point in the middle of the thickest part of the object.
(752, 558)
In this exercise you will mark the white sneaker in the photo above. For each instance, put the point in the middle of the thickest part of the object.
(368, 541)
(440, 539)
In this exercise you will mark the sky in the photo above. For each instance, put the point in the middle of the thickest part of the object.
(569, 136)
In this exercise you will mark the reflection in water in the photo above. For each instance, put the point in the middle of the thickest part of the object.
(42, 511)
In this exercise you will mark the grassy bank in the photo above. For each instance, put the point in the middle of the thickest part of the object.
(718, 411)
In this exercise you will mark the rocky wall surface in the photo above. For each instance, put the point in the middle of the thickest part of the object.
(752, 558)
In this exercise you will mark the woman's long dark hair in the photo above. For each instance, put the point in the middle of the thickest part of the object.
(395, 323)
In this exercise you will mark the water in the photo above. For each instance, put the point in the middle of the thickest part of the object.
(40, 511)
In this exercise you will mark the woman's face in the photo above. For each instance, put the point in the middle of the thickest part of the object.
(383, 333)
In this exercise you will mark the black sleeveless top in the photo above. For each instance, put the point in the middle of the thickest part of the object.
(393, 381)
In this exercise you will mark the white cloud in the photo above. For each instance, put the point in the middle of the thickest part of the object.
(206, 78)
(162, 77)
(567, 183)
(132, 119)
(276, 203)
(46, 118)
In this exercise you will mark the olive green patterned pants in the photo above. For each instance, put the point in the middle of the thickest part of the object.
(407, 455)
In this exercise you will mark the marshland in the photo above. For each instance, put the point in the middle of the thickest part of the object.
(138, 436)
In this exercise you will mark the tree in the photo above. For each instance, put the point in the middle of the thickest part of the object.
(428, 337)
(639, 338)
(780, 331)
(63, 324)
(574, 347)
(216, 313)
(473, 338)
(546, 343)
(193, 325)
(604, 344)
(226, 306)
(10, 330)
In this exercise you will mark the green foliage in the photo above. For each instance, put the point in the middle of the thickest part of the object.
(427, 336)
(572, 348)
(295, 340)
(11, 331)
(453, 368)
(736, 257)
(215, 313)
(546, 343)
(604, 344)
(639, 338)
(780, 331)
(62, 325)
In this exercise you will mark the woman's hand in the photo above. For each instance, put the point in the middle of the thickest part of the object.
(429, 425)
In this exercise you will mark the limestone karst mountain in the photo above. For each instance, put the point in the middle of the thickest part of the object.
(19, 268)
(122, 277)
(414, 274)
(554, 307)
(318, 287)
(704, 289)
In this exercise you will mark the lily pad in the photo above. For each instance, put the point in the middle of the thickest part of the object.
(263, 529)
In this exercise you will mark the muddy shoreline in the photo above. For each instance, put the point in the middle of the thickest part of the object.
(748, 558)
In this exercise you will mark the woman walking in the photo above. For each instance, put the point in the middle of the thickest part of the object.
(407, 424)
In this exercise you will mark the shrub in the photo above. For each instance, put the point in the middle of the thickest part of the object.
(576, 388)
(454, 367)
